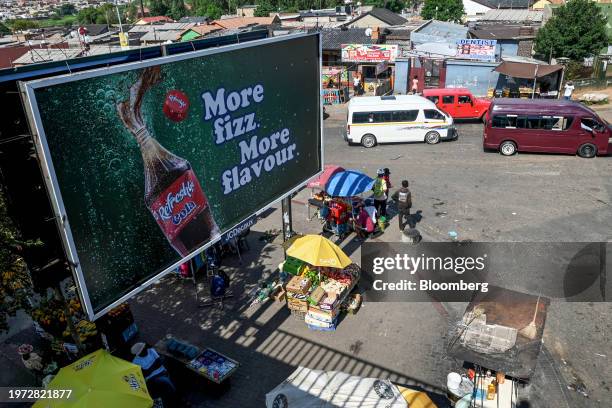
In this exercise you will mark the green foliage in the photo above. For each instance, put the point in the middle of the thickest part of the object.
(22, 24)
(576, 30)
(66, 9)
(209, 8)
(15, 281)
(87, 15)
(447, 10)
(4, 29)
(395, 6)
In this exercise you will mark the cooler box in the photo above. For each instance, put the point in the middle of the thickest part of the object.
(293, 266)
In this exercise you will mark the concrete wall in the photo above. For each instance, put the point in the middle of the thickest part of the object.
(478, 77)
(506, 49)
(471, 8)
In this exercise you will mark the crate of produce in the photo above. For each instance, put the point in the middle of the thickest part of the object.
(293, 266)
(316, 295)
(299, 285)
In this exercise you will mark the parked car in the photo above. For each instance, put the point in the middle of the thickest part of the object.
(458, 102)
(544, 125)
(391, 119)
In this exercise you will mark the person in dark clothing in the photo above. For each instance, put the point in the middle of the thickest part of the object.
(158, 380)
(403, 199)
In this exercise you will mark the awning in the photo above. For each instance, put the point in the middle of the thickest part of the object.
(524, 70)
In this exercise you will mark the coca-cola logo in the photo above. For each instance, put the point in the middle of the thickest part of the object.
(167, 210)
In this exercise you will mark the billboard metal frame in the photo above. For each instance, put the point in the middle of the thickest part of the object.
(27, 90)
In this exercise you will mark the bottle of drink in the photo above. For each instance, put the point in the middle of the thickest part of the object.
(172, 191)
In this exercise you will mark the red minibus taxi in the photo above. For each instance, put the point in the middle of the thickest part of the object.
(458, 102)
(545, 125)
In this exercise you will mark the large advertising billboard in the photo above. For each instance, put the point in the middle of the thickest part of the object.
(369, 52)
(148, 163)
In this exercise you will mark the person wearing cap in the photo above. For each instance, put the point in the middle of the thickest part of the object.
(155, 374)
(381, 190)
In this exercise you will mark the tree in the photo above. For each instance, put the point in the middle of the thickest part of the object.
(576, 30)
(158, 8)
(87, 15)
(4, 29)
(177, 9)
(66, 9)
(443, 10)
(22, 24)
(395, 6)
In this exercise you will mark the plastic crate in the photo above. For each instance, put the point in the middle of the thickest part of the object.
(293, 266)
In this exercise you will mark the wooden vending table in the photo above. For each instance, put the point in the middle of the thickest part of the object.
(208, 363)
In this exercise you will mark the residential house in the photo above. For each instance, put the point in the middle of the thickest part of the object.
(541, 4)
(332, 40)
(159, 33)
(248, 10)
(511, 40)
(244, 22)
(377, 17)
(514, 16)
(154, 20)
(325, 15)
(475, 8)
(195, 19)
(199, 31)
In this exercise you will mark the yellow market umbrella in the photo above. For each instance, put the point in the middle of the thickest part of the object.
(100, 380)
(319, 251)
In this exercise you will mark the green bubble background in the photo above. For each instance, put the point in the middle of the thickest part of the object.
(99, 167)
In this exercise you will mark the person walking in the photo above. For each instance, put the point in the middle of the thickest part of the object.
(403, 199)
(415, 85)
(381, 191)
(569, 90)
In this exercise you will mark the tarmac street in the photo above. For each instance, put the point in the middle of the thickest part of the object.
(456, 189)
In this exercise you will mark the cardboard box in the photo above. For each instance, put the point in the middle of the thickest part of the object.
(299, 285)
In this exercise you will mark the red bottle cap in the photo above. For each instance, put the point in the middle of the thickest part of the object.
(176, 106)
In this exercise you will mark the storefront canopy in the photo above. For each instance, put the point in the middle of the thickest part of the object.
(525, 70)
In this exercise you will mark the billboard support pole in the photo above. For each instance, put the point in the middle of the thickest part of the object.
(287, 221)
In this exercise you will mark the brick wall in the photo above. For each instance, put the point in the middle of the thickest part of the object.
(524, 48)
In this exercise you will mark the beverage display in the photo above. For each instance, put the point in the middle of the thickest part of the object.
(173, 193)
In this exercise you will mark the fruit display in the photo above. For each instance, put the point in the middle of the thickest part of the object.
(86, 329)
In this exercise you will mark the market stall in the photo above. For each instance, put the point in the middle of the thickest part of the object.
(317, 280)
(98, 377)
(500, 334)
(204, 364)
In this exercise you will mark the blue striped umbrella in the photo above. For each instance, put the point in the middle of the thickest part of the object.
(348, 183)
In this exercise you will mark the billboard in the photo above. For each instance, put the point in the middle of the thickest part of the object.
(369, 52)
(476, 49)
(149, 163)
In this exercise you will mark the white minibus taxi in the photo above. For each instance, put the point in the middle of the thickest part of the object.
(398, 118)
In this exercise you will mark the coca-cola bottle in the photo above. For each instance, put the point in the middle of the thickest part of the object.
(172, 191)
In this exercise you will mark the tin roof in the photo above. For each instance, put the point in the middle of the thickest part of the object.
(513, 15)
(333, 38)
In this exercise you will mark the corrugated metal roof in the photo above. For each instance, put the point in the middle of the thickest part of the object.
(513, 15)
(443, 29)
(45, 55)
(333, 38)
(157, 36)
(161, 27)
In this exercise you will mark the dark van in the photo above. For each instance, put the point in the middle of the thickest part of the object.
(544, 125)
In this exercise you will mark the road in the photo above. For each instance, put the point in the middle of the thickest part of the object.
(457, 187)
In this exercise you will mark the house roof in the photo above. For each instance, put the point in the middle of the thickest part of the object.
(238, 22)
(333, 38)
(204, 29)
(96, 29)
(505, 4)
(442, 29)
(162, 36)
(154, 19)
(384, 15)
(194, 19)
(503, 32)
(534, 16)
(161, 27)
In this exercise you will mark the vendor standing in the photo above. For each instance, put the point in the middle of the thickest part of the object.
(403, 198)
(380, 190)
(154, 372)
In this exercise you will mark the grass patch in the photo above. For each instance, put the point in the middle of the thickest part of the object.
(60, 22)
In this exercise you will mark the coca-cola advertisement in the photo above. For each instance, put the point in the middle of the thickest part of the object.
(148, 163)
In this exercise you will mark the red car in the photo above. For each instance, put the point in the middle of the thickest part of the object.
(544, 125)
(458, 102)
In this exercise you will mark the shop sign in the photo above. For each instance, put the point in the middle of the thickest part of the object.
(369, 52)
(483, 50)
(161, 158)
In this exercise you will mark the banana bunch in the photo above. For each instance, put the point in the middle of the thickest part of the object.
(86, 329)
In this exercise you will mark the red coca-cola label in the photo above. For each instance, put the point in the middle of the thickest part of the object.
(176, 106)
(179, 204)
